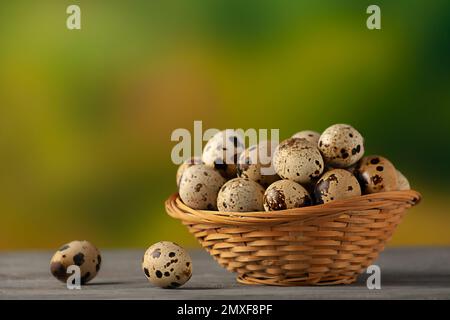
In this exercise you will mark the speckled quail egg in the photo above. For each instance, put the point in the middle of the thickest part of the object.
(336, 184)
(377, 174)
(285, 194)
(311, 136)
(186, 164)
(255, 163)
(240, 195)
(222, 152)
(80, 253)
(403, 183)
(298, 160)
(167, 265)
(199, 187)
(341, 145)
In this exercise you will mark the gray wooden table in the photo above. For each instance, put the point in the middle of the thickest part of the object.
(406, 273)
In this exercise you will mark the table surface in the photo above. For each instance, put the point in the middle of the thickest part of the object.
(406, 273)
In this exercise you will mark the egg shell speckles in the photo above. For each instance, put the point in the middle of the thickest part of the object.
(336, 184)
(311, 136)
(255, 163)
(377, 174)
(240, 195)
(199, 187)
(186, 164)
(403, 183)
(222, 152)
(167, 265)
(341, 145)
(80, 253)
(298, 160)
(285, 194)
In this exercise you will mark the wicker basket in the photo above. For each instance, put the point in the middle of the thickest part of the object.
(324, 244)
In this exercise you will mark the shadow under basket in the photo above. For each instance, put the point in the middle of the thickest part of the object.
(325, 244)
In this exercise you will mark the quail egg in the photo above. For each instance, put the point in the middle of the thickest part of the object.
(222, 152)
(285, 194)
(311, 136)
(336, 184)
(186, 164)
(255, 163)
(240, 195)
(298, 160)
(199, 187)
(377, 174)
(167, 265)
(341, 145)
(80, 253)
(403, 183)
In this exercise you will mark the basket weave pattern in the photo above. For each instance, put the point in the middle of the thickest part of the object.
(325, 244)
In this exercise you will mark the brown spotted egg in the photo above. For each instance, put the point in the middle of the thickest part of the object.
(285, 194)
(336, 184)
(255, 163)
(403, 183)
(377, 174)
(186, 164)
(222, 152)
(298, 160)
(341, 145)
(240, 195)
(167, 265)
(199, 187)
(311, 136)
(80, 253)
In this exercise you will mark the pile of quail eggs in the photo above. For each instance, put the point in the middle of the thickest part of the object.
(306, 169)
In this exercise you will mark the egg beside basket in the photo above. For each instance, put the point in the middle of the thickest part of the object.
(326, 244)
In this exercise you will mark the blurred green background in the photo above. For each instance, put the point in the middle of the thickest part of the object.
(86, 116)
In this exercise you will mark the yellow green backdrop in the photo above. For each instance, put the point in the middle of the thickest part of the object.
(86, 115)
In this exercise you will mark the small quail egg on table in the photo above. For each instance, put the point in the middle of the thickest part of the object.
(167, 265)
(285, 194)
(255, 163)
(341, 145)
(298, 160)
(186, 164)
(80, 253)
(336, 184)
(240, 195)
(311, 136)
(199, 187)
(403, 183)
(377, 174)
(222, 152)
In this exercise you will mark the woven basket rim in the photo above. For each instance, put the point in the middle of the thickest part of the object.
(360, 204)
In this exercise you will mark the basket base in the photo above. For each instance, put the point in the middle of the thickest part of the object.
(245, 279)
